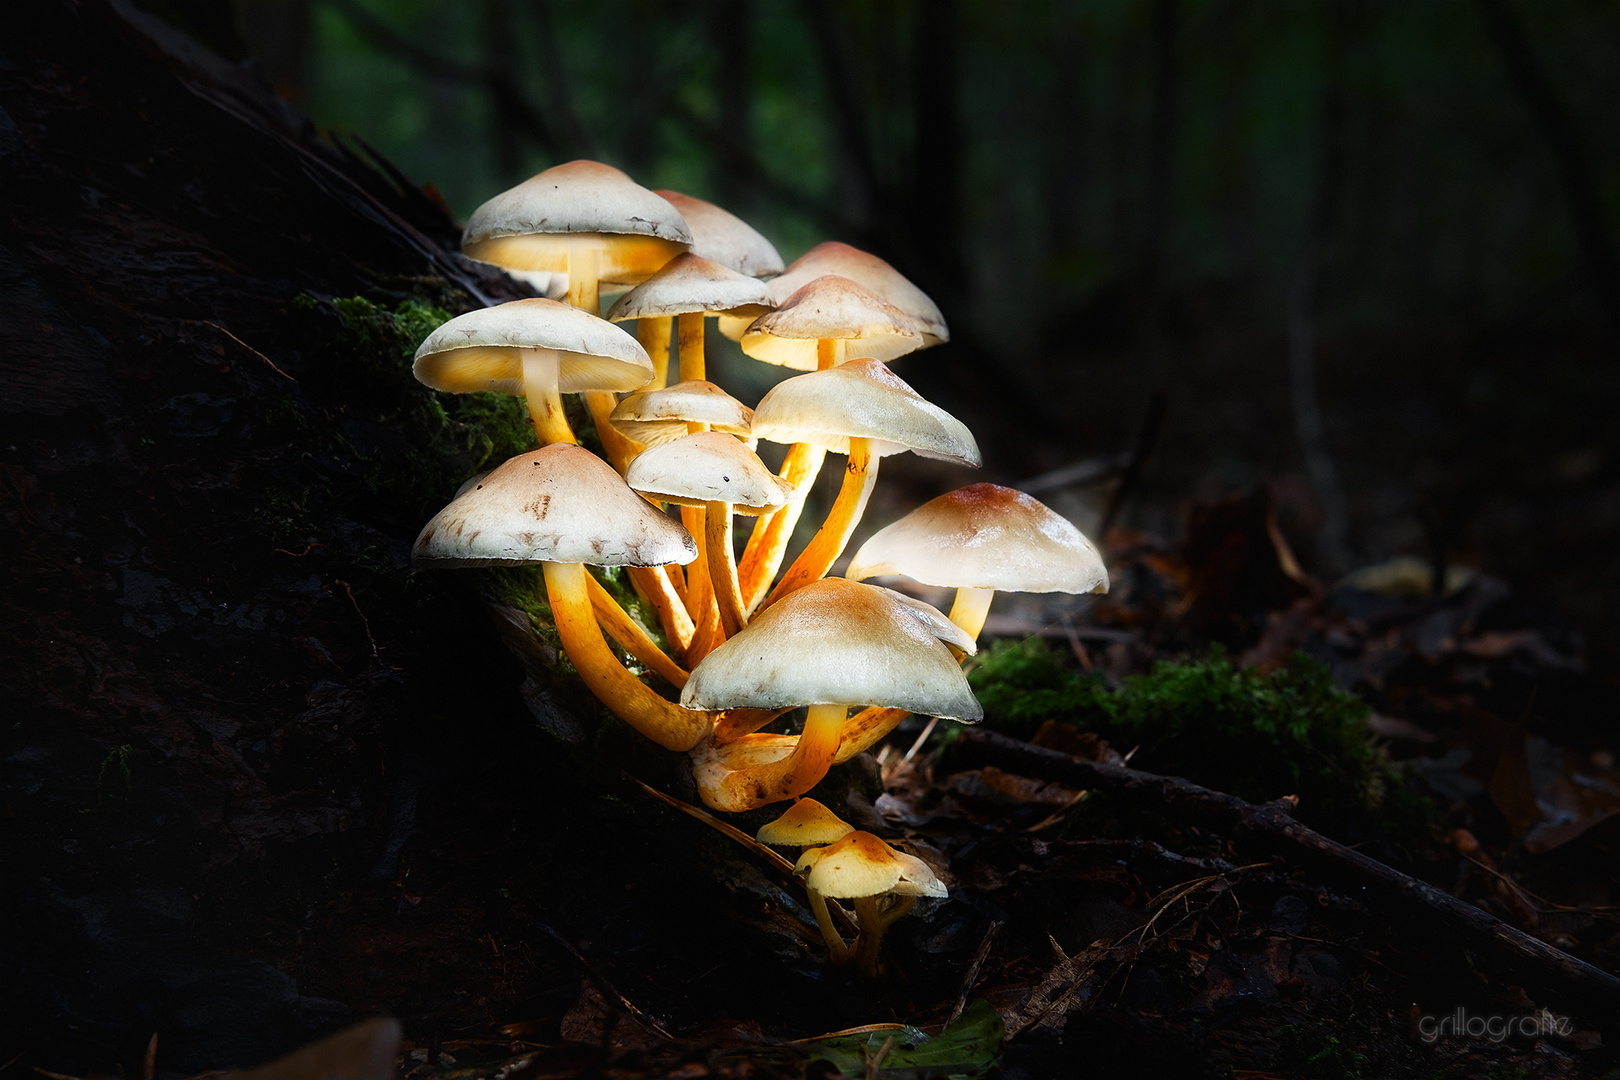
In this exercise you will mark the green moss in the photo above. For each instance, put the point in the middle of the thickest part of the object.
(1315, 1049)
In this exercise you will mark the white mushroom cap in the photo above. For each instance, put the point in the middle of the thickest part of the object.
(581, 203)
(830, 307)
(834, 642)
(807, 823)
(984, 537)
(936, 621)
(710, 466)
(560, 503)
(833, 257)
(863, 399)
(480, 350)
(688, 284)
(726, 238)
(660, 416)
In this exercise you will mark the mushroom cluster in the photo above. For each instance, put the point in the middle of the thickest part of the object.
(740, 639)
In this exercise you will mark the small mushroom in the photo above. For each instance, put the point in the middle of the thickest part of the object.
(883, 883)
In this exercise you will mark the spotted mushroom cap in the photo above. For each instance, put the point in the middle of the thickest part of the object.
(984, 537)
(834, 642)
(710, 466)
(560, 503)
(726, 238)
(830, 307)
(579, 204)
(482, 350)
(864, 399)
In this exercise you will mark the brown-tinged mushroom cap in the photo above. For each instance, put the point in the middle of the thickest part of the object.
(859, 864)
(710, 466)
(870, 271)
(830, 308)
(807, 823)
(834, 642)
(660, 416)
(581, 203)
(688, 284)
(481, 350)
(726, 238)
(861, 399)
(560, 503)
(984, 537)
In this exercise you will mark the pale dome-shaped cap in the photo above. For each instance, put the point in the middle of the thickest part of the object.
(653, 417)
(936, 621)
(688, 284)
(579, 204)
(481, 350)
(861, 864)
(560, 503)
(807, 823)
(720, 235)
(710, 466)
(833, 642)
(833, 257)
(864, 399)
(830, 308)
(984, 537)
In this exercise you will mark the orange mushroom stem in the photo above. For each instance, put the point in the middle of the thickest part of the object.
(860, 476)
(722, 559)
(618, 625)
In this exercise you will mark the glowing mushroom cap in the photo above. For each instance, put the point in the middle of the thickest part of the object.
(688, 284)
(834, 642)
(860, 865)
(582, 204)
(984, 537)
(807, 823)
(560, 503)
(726, 238)
(868, 270)
(660, 416)
(863, 399)
(710, 466)
(830, 307)
(481, 350)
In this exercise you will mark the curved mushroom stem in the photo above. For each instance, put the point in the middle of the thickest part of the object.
(865, 949)
(618, 625)
(970, 609)
(664, 723)
(657, 587)
(733, 724)
(757, 785)
(540, 374)
(762, 556)
(865, 730)
(698, 593)
(829, 933)
(619, 449)
(860, 476)
(653, 333)
(723, 567)
(690, 328)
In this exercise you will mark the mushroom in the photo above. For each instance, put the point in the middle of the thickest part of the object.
(563, 506)
(977, 539)
(689, 288)
(807, 823)
(714, 473)
(536, 349)
(830, 645)
(589, 221)
(864, 410)
(862, 868)
(651, 417)
(864, 269)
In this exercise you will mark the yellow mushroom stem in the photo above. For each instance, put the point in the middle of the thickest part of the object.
(618, 625)
(860, 476)
(690, 328)
(733, 724)
(653, 333)
(723, 567)
(865, 730)
(663, 722)
(541, 369)
(874, 919)
(762, 555)
(658, 587)
(836, 946)
(698, 593)
(795, 774)
(970, 609)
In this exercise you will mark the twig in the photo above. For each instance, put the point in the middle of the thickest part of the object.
(365, 622)
(875, 1061)
(973, 971)
(245, 345)
(1271, 827)
(606, 988)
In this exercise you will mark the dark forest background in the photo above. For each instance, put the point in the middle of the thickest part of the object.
(1362, 252)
